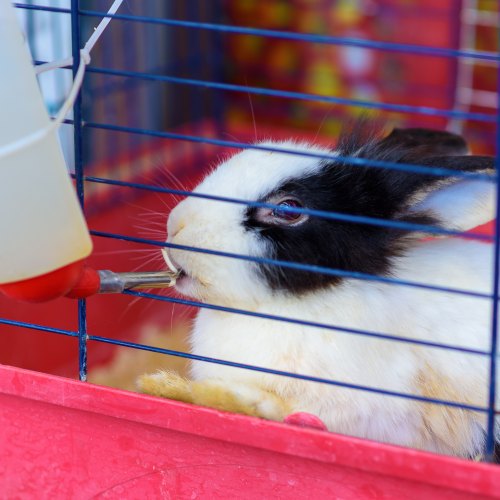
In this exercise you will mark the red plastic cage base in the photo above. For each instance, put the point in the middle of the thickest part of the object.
(67, 439)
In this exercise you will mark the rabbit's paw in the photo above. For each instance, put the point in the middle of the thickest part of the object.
(239, 398)
(166, 384)
(246, 399)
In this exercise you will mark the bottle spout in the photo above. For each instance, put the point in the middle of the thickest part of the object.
(111, 282)
(94, 282)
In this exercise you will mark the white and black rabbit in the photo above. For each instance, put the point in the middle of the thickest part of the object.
(289, 180)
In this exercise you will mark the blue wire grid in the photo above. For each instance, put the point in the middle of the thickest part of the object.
(81, 123)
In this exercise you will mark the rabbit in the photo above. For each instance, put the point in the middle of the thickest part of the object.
(291, 180)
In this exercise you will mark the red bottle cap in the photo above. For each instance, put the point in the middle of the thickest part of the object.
(88, 284)
(55, 284)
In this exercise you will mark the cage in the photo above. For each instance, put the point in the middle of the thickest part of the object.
(172, 87)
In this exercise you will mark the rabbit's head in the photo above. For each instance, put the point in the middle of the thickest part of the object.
(291, 181)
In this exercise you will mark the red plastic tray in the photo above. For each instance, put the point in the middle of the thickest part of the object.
(60, 438)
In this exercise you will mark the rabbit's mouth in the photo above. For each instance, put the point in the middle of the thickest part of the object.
(187, 285)
(185, 282)
(182, 277)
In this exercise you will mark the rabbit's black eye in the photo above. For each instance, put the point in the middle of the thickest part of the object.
(286, 215)
(280, 216)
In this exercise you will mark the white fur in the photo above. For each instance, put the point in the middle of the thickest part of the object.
(396, 310)
(463, 205)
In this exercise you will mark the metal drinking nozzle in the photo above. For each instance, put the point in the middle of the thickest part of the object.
(118, 282)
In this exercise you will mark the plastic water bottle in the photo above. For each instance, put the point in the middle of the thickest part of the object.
(43, 235)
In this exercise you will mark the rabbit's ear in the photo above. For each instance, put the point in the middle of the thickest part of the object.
(422, 143)
(458, 203)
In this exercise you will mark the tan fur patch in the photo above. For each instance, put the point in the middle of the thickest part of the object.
(166, 384)
(206, 393)
(449, 429)
(260, 403)
(247, 400)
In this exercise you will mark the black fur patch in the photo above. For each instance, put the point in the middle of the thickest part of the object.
(350, 189)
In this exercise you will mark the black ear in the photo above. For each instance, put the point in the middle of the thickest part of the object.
(418, 146)
(362, 139)
(411, 184)
(418, 143)
(394, 192)
(467, 163)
